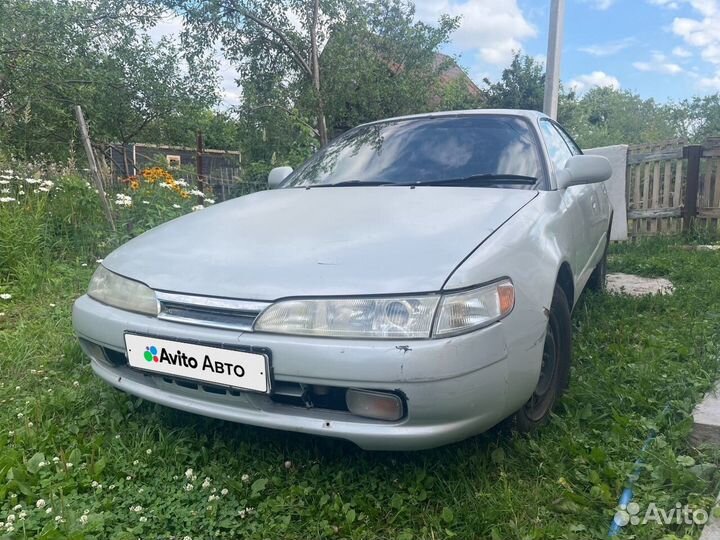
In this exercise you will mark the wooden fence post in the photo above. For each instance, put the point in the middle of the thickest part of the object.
(692, 153)
(94, 171)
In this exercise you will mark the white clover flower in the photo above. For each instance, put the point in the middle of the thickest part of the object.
(21, 192)
(206, 483)
(197, 207)
(187, 538)
(83, 265)
(137, 508)
(33, 180)
(143, 519)
(116, 436)
(5, 296)
(288, 464)
(112, 486)
(76, 383)
(9, 527)
(11, 433)
(59, 519)
(4, 182)
(56, 459)
(30, 424)
(69, 465)
(136, 462)
(128, 478)
(42, 464)
(176, 206)
(188, 487)
(83, 519)
(10, 518)
(40, 503)
(48, 510)
(7, 199)
(189, 474)
(242, 514)
(94, 484)
(5, 190)
(212, 498)
(17, 507)
(123, 200)
(146, 202)
(209, 201)
(22, 515)
(148, 451)
(223, 491)
(141, 490)
(52, 305)
(245, 478)
(99, 260)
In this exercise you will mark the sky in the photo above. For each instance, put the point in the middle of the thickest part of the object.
(662, 49)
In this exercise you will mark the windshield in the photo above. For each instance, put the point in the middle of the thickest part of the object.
(415, 151)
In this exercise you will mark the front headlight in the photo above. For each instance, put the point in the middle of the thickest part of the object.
(469, 310)
(117, 291)
(401, 317)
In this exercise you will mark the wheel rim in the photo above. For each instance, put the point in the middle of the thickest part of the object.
(544, 394)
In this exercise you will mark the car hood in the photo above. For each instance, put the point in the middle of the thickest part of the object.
(320, 241)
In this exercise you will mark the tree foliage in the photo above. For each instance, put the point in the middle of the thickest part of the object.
(55, 54)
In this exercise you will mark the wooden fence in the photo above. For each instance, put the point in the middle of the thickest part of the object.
(670, 185)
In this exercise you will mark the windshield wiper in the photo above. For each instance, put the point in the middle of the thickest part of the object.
(355, 183)
(478, 180)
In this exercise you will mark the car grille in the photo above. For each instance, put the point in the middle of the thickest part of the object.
(207, 311)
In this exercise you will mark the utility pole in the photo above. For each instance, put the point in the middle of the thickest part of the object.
(554, 52)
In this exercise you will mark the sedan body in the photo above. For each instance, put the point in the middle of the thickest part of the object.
(399, 290)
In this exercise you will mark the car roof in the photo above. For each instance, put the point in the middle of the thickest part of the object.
(532, 115)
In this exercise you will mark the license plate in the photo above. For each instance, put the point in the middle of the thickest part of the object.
(225, 367)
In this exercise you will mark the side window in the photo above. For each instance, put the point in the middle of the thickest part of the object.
(557, 148)
(574, 148)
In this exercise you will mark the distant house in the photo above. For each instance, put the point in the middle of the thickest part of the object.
(452, 73)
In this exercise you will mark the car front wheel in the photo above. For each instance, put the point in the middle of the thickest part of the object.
(555, 367)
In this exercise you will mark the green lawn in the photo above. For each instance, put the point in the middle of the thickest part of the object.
(107, 465)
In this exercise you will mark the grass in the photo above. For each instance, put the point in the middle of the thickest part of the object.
(107, 465)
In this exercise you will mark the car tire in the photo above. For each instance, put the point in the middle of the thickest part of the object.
(555, 368)
(598, 279)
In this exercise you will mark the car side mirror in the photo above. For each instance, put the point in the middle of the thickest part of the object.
(277, 175)
(584, 170)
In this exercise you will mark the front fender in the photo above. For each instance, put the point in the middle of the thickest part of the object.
(529, 248)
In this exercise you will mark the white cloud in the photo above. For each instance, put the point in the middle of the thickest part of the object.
(681, 52)
(495, 28)
(701, 33)
(609, 48)
(600, 79)
(659, 64)
(668, 4)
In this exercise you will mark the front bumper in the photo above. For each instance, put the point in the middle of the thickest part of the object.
(453, 388)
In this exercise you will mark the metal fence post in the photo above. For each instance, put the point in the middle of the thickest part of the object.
(692, 153)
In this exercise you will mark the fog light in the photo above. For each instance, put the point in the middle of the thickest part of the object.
(380, 405)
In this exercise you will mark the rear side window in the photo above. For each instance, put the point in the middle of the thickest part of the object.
(556, 146)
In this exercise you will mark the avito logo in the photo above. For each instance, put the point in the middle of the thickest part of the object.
(151, 354)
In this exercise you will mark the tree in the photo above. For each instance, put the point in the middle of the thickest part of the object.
(605, 116)
(55, 54)
(272, 41)
(521, 86)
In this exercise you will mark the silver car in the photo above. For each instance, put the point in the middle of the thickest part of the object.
(408, 286)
